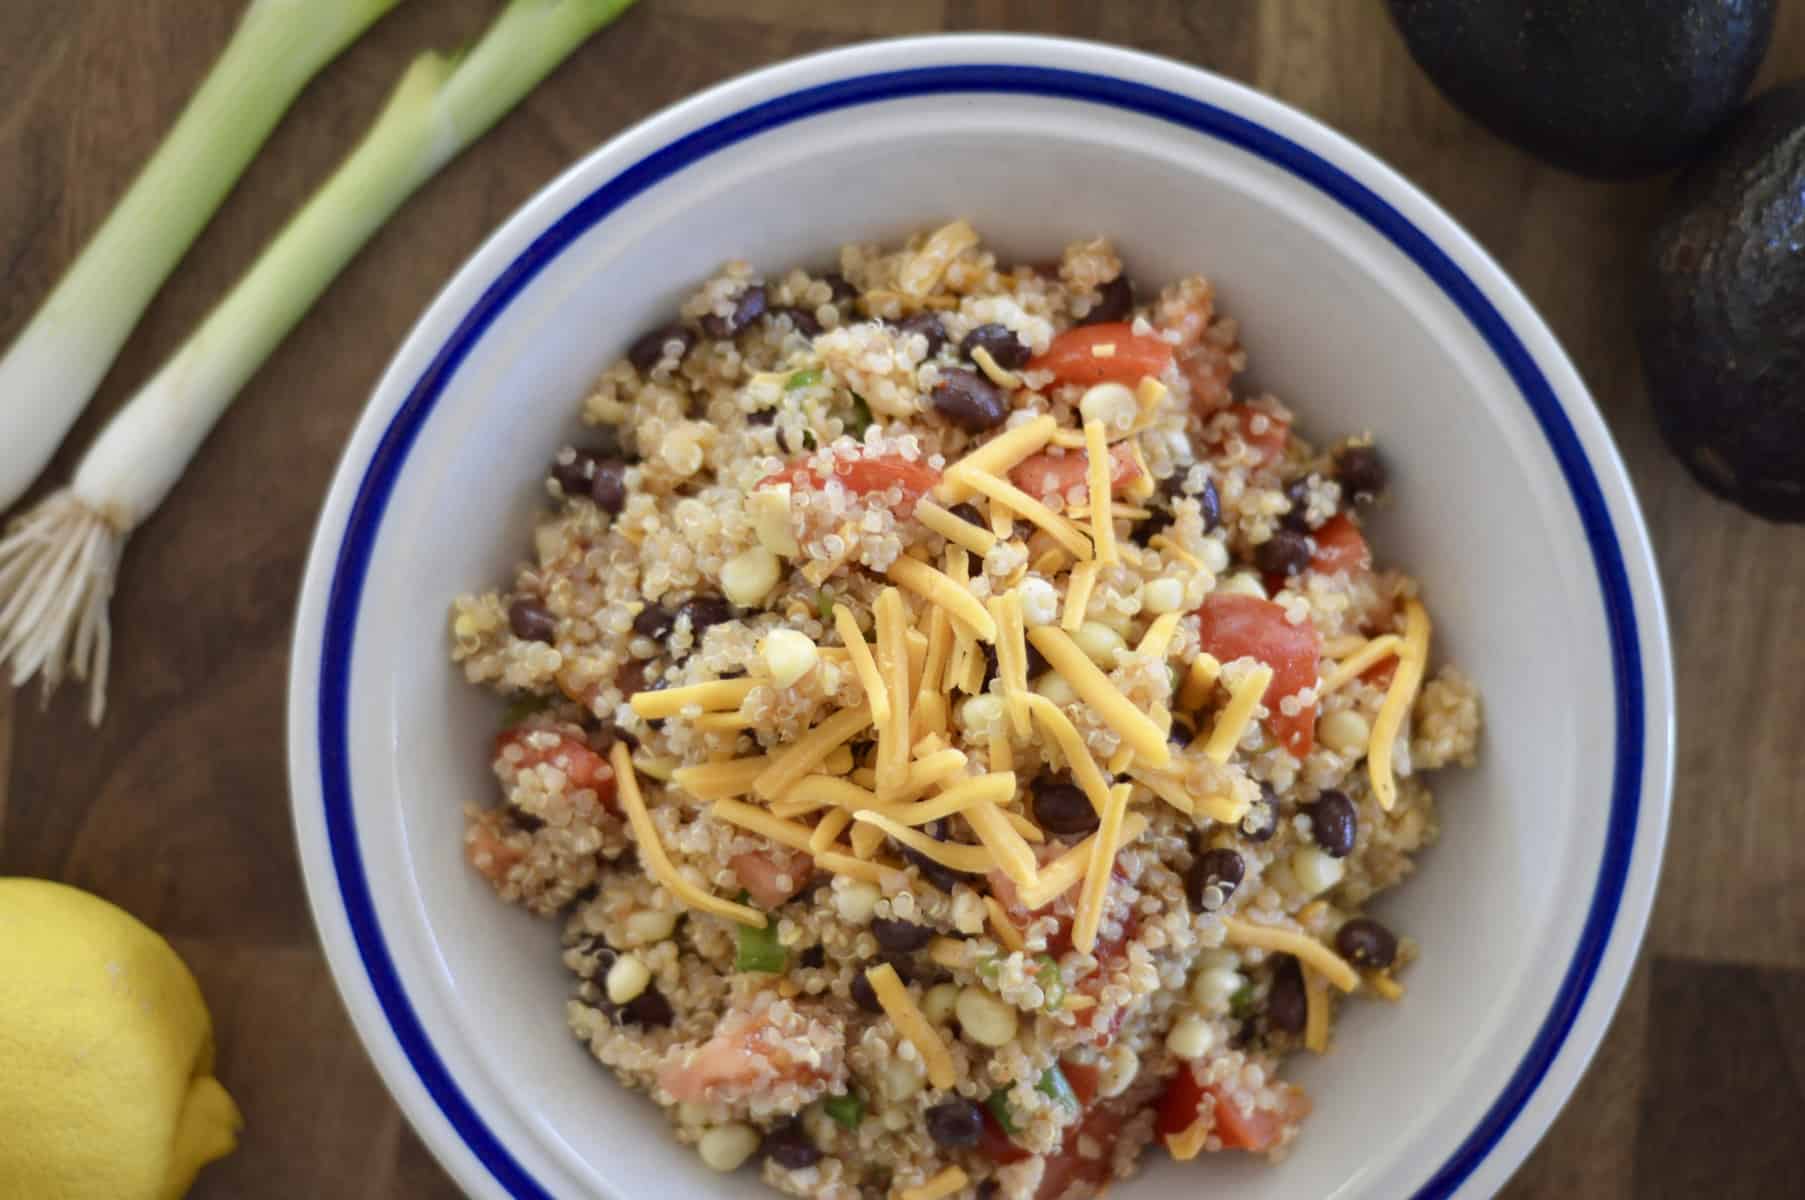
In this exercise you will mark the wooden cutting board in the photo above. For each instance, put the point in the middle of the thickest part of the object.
(176, 808)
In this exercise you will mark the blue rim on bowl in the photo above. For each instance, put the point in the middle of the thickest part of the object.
(390, 457)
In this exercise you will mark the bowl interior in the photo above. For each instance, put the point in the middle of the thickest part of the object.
(1336, 321)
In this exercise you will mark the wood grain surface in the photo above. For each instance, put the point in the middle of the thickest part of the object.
(177, 809)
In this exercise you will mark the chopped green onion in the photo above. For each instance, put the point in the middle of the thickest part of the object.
(1057, 1088)
(1240, 1005)
(802, 379)
(860, 420)
(988, 968)
(758, 950)
(824, 604)
(847, 1110)
(50, 373)
(998, 1104)
(57, 566)
(1051, 983)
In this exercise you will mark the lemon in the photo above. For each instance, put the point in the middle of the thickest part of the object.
(106, 1055)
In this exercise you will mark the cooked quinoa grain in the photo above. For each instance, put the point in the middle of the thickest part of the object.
(816, 789)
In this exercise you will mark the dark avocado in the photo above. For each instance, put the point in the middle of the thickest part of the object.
(1721, 311)
(1603, 87)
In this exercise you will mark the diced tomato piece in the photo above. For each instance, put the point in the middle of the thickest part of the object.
(995, 1143)
(1340, 547)
(569, 753)
(1084, 1078)
(1072, 357)
(1047, 474)
(1266, 434)
(1067, 1166)
(865, 474)
(1258, 1129)
(763, 875)
(1235, 626)
(1180, 1104)
(1380, 673)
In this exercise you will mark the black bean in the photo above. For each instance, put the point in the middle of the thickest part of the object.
(1333, 823)
(990, 663)
(1213, 878)
(649, 1009)
(1209, 504)
(573, 477)
(989, 1189)
(1037, 662)
(1286, 1008)
(523, 820)
(1115, 301)
(531, 621)
(935, 874)
(969, 400)
(1298, 492)
(929, 326)
(970, 515)
(1062, 809)
(705, 612)
(789, 1147)
(900, 937)
(801, 319)
(1261, 820)
(813, 958)
(1179, 736)
(762, 416)
(649, 350)
(1004, 348)
(1286, 552)
(1152, 525)
(1366, 943)
(749, 307)
(864, 995)
(1361, 472)
(840, 286)
(955, 1124)
(654, 621)
(609, 487)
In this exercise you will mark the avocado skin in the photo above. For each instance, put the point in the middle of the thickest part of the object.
(1608, 88)
(1721, 311)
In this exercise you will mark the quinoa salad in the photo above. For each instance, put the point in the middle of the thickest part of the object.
(959, 728)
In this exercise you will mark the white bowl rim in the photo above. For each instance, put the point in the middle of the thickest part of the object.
(685, 134)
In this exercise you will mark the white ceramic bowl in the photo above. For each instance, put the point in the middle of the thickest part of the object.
(1362, 305)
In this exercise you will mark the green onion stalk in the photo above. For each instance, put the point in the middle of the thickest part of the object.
(58, 563)
(53, 369)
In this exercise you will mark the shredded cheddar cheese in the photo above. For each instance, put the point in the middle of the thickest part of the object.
(651, 851)
(1199, 680)
(1002, 492)
(1387, 987)
(796, 760)
(1158, 638)
(1103, 520)
(1134, 726)
(1010, 850)
(712, 781)
(1304, 948)
(1097, 872)
(1012, 661)
(1078, 588)
(1358, 662)
(954, 528)
(936, 588)
(789, 833)
(1413, 658)
(1000, 455)
(1058, 876)
(717, 695)
(973, 860)
(893, 652)
(1008, 936)
(1071, 746)
(853, 868)
(828, 830)
(863, 665)
(1242, 700)
(900, 1008)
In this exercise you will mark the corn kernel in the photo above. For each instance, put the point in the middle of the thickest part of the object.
(985, 1019)
(1163, 596)
(725, 1148)
(1344, 732)
(748, 577)
(627, 979)
(1100, 643)
(1190, 1038)
(788, 655)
